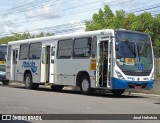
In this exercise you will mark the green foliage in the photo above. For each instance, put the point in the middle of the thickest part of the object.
(144, 22)
(23, 36)
(157, 76)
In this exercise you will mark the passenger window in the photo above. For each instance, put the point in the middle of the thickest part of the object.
(35, 51)
(82, 47)
(65, 48)
(94, 46)
(24, 48)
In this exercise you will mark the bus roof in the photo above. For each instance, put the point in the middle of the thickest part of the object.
(64, 36)
(71, 35)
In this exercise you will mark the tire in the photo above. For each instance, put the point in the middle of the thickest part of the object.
(85, 86)
(57, 88)
(5, 82)
(117, 92)
(28, 82)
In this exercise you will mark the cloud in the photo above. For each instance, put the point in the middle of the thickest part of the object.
(51, 9)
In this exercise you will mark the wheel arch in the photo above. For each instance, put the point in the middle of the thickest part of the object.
(79, 76)
(25, 73)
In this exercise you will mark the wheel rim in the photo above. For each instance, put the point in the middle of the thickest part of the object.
(85, 85)
(28, 82)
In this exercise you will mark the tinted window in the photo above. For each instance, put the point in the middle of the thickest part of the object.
(35, 51)
(65, 48)
(24, 48)
(94, 46)
(82, 47)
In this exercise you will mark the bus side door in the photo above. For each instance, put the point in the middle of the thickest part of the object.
(47, 65)
(52, 63)
(14, 64)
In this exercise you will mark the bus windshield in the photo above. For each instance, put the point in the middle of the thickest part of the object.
(133, 52)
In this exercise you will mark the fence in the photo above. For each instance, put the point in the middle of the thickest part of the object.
(157, 60)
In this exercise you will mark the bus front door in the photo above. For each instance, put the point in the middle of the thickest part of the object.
(103, 64)
(14, 64)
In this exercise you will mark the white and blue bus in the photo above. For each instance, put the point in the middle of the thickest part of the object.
(109, 59)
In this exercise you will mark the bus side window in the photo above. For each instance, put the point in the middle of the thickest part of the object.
(94, 46)
(24, 50)
(15, 54)
(82, 47)
(44, 55)
(35, 51)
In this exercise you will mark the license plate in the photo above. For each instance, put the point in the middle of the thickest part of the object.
(138, 87)
(2, 62)
(129, 61)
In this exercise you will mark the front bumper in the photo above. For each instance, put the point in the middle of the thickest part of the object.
(125, 84)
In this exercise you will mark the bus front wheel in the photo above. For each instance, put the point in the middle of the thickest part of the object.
(28, 82)
(85, 85)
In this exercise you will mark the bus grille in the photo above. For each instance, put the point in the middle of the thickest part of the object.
(130, 73)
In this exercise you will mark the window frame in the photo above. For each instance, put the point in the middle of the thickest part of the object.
(79, 57)
(20, 51)
(57, 54)
(37, 58)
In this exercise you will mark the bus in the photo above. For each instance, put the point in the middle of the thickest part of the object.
(113, 60)
(3, 53)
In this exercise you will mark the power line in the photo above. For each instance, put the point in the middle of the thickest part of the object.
(24, 7)
(58, 28)
(141, 9)
(154, 6)
(37, 6)
(67, 10)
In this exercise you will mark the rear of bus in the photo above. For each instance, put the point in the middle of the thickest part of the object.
(134, 66)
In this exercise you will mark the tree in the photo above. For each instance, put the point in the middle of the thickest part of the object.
(25, 35)
(144, 22)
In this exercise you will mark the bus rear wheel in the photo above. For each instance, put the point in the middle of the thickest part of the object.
(85, 86)
(117, 92)
(28, 82)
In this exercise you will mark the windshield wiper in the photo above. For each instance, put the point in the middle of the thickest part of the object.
(127, 43)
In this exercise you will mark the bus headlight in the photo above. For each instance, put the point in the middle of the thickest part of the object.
(119, 75)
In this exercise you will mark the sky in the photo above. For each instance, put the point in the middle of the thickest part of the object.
(34, 15)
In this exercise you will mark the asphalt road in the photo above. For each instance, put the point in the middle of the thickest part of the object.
(15, 99)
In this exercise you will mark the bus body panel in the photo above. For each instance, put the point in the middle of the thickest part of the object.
(29, 65)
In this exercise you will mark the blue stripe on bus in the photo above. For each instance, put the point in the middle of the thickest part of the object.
(124, 84)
